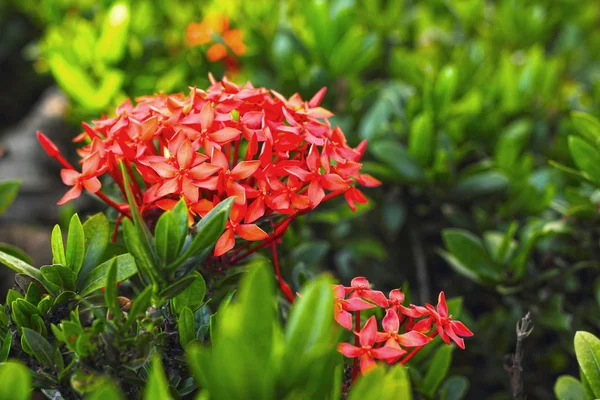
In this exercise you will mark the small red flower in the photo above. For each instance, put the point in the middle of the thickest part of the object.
(342, 307)
(249, 232)
(367, 353)
(360, 287)
(446, 327)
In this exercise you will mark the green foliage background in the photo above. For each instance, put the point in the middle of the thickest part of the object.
(479, 116)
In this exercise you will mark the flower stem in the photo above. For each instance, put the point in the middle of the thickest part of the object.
(283, 286)
(111, 203)
(356, 343)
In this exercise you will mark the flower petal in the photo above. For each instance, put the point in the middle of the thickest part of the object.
(349, 350)
(390, 322)
(72, 194)
(442, 307)
(225, 243)
(245, 169)
(225, 135)
(368, 334)
(250, 232)
(367, 364)
(412, 339)
(460, 329)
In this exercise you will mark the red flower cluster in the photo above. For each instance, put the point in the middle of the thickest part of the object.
(278, 156)
(402, 326)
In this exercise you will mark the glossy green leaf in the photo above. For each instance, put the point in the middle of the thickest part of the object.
(8, 193)
(438, 368)
(60, 276)
(142, 241)
(110, 292)
(168, 239)
(40, 348)
(208, 231)
(6, 346)
(97, 234)
(75, 245)
(21, 267)
(16, 381)
(186, 327)
(58, 248)
(587, 349)
(97, 277)
(192, 296)
(136, 248)
(176, 288)
(568, 388)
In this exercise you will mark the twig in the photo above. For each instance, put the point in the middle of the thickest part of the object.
(514, 366)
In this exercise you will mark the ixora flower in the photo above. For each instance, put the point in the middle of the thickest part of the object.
(206, 32)
(402, 327)
(279, 157)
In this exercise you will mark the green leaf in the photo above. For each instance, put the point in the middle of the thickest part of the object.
(192, 296)
(168, 238)
(80, 86)
(39, 346)
(454, 388)
(394, 155)
(110, 293)
(144, 238)
(186, 327)
(136, 248)
(106, 392)
(481, 184)
(587, 349)
(470, 252)
(75, 245)
(438, 368)
(587, 125)
(208, 231)
(15, 252)
(16, 381)
(97, 234)
(5, 349)
(511, 144)
(58, 248)
(421, 142)
(586, 157)
(568, 388)
(97, 277)
(176, 288)
(310, 323)
(8, 193)
(139, 306)
(22, 267)
(157, 387)
(59, 275)
(181, 215)
(112, 42)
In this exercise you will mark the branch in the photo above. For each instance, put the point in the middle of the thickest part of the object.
(514, 366)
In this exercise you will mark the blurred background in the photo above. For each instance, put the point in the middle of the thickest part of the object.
(466, 105)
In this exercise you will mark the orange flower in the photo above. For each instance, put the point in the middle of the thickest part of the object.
(202, 33)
